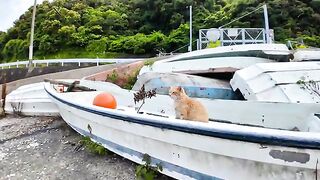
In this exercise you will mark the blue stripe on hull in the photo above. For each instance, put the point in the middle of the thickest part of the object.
(218, 133)
(216, 92)
(212, 93)
(154, 161)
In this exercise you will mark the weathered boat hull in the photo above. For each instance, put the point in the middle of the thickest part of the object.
(213, 65)
(312, 54)
(297, 82)
(194, 86)
(192, 150)
(30, 100)
(277, 52)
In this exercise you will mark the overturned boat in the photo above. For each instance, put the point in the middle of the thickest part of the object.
(221, 60)
(30, 100)
(295, 82)
(277, 52)
(308, 54)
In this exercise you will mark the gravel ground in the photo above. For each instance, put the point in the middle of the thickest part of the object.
(46, 148)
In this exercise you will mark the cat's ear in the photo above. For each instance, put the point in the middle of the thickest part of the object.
(179, 88)
(182, 90)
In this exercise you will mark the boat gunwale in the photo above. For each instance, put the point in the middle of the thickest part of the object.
(258, 137)
(262, 48)
(259, 54)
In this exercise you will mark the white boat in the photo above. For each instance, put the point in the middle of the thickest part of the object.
(204, 65)
(30, 100)
(277, 52)
(309, 54)
(225, 59)
(246, 140)
(297, 82)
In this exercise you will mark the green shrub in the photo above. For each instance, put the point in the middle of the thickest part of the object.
(113, 77)
(93, 146)
(149, 62)
(97, 46)
(147, 171)
(131, 80)
(15, 49)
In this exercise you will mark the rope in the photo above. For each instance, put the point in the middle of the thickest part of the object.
(182, 47)
(242, 16)
(179, 48)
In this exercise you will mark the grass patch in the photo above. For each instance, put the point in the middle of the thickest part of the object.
(149, 62)
(79, 53)
(113, 77)
(131, 80)
(146, 171)
(126, 82)
(93, 147)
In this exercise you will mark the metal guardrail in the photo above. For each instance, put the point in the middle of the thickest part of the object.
(64, 61)
(233, 36)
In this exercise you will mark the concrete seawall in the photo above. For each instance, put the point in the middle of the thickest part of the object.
(69, 74)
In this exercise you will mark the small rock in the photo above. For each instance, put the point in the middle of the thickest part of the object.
(3, 155)
(33, 144)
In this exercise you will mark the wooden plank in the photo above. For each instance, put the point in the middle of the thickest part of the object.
(74, 86)
(210, 70)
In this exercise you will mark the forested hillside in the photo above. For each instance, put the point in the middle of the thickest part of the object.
(99, 28)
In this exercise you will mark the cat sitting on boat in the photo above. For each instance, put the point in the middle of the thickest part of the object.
(187, 108)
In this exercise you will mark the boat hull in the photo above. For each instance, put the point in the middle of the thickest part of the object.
(277, 52)
(194, 86)
(208, 65)
(30, 100)
(294, 82)
(307, 54)
(186, 150)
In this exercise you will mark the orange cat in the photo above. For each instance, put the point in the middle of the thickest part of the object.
(187, 108)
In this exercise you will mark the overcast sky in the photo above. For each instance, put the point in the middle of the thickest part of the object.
(11, 10)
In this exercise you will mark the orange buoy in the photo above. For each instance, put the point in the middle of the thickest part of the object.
(106, 100)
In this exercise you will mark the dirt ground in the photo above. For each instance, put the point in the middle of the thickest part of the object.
(46, 148)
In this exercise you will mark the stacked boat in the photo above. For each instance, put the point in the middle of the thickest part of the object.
(307, 54)
(273, 134)
(243, 140)
(225, 59)
(219, 63)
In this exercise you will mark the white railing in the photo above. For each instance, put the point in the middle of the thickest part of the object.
(234, 36)
(63, 61)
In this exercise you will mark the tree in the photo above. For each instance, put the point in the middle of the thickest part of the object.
(15, 49)
(177, 38)
(147, 26)
(97, 46)
(65, 35)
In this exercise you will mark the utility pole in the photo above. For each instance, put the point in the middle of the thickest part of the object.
(266, 22)
(31, 37)
(190, 45)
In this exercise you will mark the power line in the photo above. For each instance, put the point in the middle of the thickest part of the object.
(242, 16)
